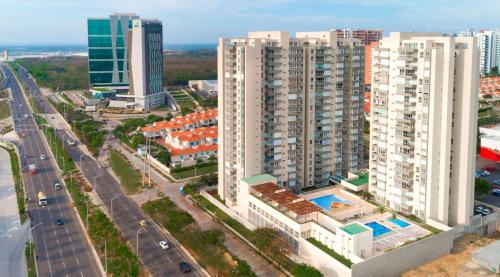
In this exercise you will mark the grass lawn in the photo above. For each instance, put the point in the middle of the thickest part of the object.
(199, 171)
(4, 109)
(129, 177)
(30, 258)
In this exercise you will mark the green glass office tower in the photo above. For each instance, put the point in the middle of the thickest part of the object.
(108, 50)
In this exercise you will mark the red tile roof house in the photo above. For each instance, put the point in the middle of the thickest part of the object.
(188, 138)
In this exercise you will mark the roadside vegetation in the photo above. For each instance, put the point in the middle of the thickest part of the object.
(29, 252)
(201, 168)
(210, 102)
(64, 161)
(185, 102)
(269, 243)
(207, 246)
(4, 109)
(122, 261)
(482, 187)
(130, 178)
(18, 183)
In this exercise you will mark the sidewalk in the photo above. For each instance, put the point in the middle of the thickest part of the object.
(258, 264)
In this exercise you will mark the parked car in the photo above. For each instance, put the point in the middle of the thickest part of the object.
(496, 192)
(185, 267)
(57, 186)
(486, 211)
(164, 244)
(42, 157)
(25, 156)
(496, 182)
(478, 209)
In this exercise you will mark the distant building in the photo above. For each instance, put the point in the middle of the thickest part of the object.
(146, 64)
(366, 36)
(108, 44)
(489, 44)
(5, 55)
(204, 85)
(423, 125)
(368, 62)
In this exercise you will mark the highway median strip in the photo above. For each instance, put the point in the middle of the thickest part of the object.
(29, 252)
(121, 260)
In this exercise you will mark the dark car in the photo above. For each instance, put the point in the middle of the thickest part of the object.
(59, 222)
(25, 156)
(185, 267)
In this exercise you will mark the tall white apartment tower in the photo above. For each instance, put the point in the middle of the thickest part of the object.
(424, 123)
(290, 107)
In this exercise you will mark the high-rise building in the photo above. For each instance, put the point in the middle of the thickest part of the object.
(108, 45)
(423, 125)
(489, 44)
(365, 35)
(146, 63)
(290, 107)
(368, 63)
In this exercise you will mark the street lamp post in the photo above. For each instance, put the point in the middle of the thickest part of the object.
(95, 183)
(81, 155)
(31, 236)
(137, 240)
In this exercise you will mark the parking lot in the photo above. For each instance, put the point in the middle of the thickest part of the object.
(490, 199)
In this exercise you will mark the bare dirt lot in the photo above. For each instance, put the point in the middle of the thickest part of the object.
(459, 261)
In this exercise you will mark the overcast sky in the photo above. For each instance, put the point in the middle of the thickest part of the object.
(203, 21)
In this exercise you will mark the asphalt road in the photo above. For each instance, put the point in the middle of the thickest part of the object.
(125, 212)
(61, 250)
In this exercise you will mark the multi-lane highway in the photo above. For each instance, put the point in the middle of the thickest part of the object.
(61, 250)
(125, 212)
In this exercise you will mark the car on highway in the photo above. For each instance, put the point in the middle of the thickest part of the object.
(59, 222)
(57, 186)
(26, 156)
(42, 157)
(185, 267)
(164, 244)
(71, 142)
(143, 223)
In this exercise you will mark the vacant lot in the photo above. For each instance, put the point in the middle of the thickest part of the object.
(130, 178)
(459, 262)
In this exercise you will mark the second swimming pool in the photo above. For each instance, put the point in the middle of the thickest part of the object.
(378, 229)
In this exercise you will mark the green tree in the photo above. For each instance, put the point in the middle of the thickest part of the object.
(482, 187)
(244, 270)
(163, 155)
(168, 117)
(494, 72)
(137, 139)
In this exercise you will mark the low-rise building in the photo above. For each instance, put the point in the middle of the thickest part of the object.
(188, 138)
(490, 142)
(204, 85)
(489, 88)
(336, 231)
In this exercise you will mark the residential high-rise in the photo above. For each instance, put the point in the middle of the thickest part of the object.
(368, 63)
(365, 35)
(423, 127)
(489, 44)
(108, 49)
(146, 63)
(290, 107)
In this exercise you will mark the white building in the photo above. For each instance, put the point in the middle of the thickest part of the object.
(146, 64)
(363, 242)
(423, 125)
(290, 107)
(490, 142)
(209, 86)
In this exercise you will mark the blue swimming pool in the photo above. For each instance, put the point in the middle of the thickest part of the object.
(401, 223)
(326, 201)
(378, 229)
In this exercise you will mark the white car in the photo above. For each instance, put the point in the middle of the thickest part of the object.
(42, 157)
(164, 244)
